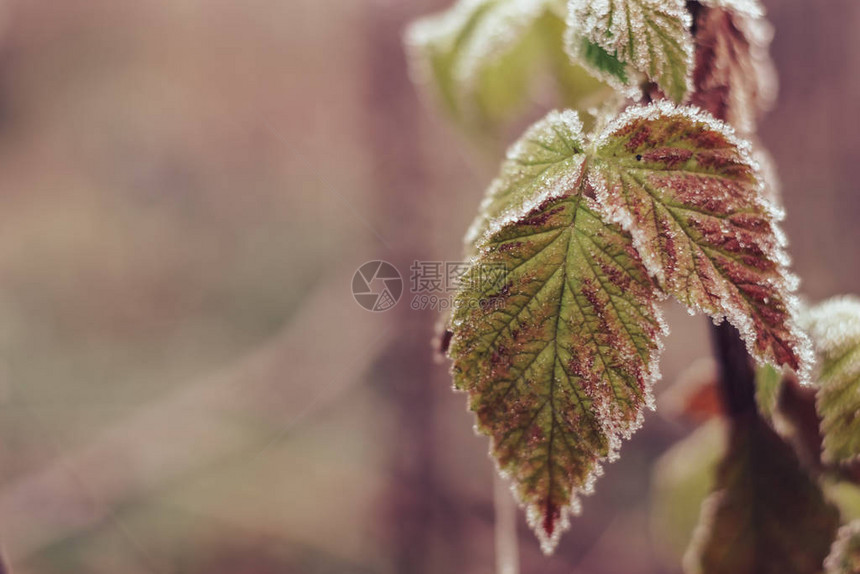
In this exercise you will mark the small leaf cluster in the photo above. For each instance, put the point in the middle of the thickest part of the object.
(596, 216)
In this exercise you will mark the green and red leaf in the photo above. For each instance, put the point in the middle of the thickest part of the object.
(559, 352)
(559, 356)
(734, 76)
(834, 327)
(620, 41)
(691, 196)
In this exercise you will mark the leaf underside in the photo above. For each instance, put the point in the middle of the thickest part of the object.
(645, 37)
(558, 354)
(766, 516)
(834, 327)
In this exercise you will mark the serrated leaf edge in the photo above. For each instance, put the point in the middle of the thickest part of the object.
(788, 282)
(615, 430)
(474, 234)
(577, 30)
(834, 328)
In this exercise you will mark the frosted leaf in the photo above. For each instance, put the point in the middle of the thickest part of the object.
(834, 327)
(619, 40)
(544, 163)
(559, 354)
(691, 196)
(766, 514)
(481, 58)
(844, 555)
(734, 77)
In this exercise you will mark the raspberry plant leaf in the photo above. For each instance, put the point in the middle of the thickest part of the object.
(546, 161)
(559, 357)
(734, 77)
(439, 45)
(766, 516)
(690, 195)
(834, 327)
(480, 57)
(621, 40)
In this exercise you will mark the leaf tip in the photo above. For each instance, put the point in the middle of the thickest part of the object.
(549, 521)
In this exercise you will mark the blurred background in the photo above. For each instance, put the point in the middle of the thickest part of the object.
(186, 383)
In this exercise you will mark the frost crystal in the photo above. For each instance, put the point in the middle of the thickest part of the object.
(619, 39)
(518, 190)
(834, 325)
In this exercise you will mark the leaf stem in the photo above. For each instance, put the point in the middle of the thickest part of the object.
(737, 374)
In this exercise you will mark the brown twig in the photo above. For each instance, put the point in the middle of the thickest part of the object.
(736, 372)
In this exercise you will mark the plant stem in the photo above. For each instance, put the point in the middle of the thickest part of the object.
(507, 552)
(737, 374)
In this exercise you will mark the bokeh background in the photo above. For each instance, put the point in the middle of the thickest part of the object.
(186, 384)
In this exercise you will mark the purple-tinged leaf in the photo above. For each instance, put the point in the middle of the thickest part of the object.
(558, 353)
(734, 77)
(691, 196)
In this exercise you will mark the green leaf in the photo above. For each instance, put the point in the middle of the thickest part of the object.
(541, 163)
(558, 355)
(598, 58)
(766, 516)
(689, 193)
(482, 58)
(834, 327)
(647, 37)
(844, 557)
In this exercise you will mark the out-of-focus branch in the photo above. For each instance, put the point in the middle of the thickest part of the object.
(737, 375)
(507, 549)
